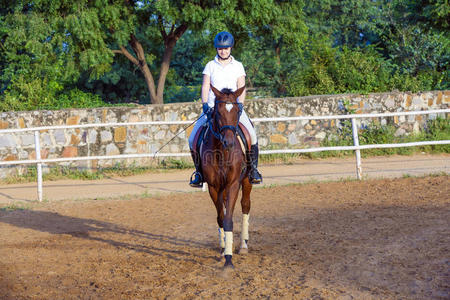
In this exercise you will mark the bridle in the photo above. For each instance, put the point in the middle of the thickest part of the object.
(219, 135)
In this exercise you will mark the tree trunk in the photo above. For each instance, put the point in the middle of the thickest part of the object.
(169, 43)
(156, 95)
(143, 66)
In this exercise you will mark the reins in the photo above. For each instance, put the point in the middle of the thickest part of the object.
(184, 129)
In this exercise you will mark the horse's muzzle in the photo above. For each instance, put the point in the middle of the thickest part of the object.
(228, 144)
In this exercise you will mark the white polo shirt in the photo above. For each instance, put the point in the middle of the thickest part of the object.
(223, 76)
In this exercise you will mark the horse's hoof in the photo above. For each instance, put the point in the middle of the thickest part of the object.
(228, 266)
(227, 272)
(228, 263)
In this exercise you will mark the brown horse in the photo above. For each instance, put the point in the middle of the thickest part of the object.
(225, 170)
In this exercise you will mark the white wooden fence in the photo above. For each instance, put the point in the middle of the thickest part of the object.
(356, 147)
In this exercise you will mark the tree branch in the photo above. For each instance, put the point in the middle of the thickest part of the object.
(127, 54)
(161, 28)
(180, 30)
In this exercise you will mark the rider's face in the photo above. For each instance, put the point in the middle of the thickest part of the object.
(224, 53)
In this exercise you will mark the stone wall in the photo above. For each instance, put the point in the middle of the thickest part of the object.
(147, 139)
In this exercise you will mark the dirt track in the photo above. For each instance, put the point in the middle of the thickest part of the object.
(385, 239)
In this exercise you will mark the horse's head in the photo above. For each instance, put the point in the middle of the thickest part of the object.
(226, 114)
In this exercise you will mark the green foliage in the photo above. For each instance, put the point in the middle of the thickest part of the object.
(54, 53)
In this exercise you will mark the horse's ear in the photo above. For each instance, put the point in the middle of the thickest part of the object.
(239, 91)
(215, 91)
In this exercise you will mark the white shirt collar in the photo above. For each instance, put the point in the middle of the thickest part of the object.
(216, 59)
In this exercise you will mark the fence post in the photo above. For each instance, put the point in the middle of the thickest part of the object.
(357, 151)
(37, 145)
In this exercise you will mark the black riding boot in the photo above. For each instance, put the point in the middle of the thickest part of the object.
(254, 175)
(196, 177)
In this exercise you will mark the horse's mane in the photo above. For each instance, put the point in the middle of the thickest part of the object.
(226, 91)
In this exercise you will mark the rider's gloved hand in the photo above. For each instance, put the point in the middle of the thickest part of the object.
(240, 106)
(207, 110)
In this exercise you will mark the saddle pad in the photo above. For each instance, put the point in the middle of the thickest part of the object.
(198, 138)
(243, 132)
(243, 137)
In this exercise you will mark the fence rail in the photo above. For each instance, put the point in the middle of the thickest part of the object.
(356, 147)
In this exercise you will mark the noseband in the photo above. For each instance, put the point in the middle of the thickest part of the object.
(219, 135)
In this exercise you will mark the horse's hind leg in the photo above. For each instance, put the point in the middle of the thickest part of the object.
(245, 203)
(218, 203)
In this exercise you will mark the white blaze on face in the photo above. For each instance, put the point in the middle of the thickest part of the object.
(229, 106)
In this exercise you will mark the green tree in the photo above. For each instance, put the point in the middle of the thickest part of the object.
(86, 36)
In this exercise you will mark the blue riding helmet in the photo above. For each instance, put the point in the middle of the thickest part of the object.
(223, 40)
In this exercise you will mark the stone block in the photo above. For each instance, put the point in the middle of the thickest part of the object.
(396, 119)
(160, 135)
(417, 100)
(4, 124)
(400, 132)
(105, 136)
(74, 140)
(416, 127)
(92, 136)
(69, 151)
(104, 115)
(111, 149)
(60, 137)
(10, 157)
(430, 102)
(27, 140)
(292, 127)
(7, 141)
(120, 134)
(21, 123)
(390, 103)
(408, 101)
(73, 120)
(447, 97)
(292, 139)
(281, 127)
(44, 154)
(133, 119)
(278, 139)
(321, 135)
(298, 112)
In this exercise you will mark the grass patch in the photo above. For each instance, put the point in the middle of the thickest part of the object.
(58, 172)
(12, 207)
(437, 129)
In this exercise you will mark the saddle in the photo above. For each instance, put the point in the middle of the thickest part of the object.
(242, 134)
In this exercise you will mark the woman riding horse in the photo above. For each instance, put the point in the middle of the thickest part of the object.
(224, 72)
(223, 161)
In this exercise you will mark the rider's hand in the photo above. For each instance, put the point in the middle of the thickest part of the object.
(240, 106)
(207, 110)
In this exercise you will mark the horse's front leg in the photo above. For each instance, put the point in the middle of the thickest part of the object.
(231, 196)
(217, 198)
(245, 204)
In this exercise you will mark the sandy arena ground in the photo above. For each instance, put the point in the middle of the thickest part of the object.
(375, 239)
